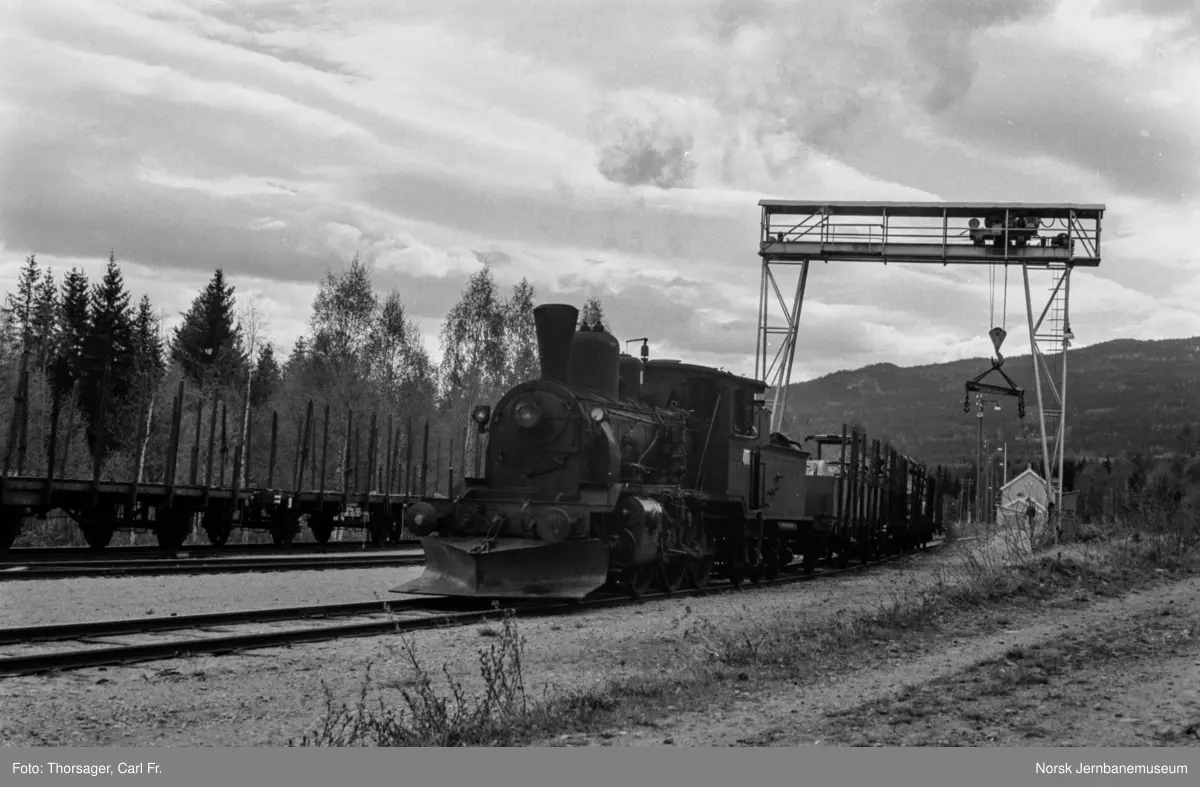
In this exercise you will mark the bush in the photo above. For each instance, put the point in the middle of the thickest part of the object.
(499, 715)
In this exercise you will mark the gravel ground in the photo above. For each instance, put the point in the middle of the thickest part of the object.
(49, 601)
(268, 696)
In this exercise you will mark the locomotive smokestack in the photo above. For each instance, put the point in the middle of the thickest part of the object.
(555, 326)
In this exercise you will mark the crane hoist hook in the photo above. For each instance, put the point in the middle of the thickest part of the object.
(998, 335)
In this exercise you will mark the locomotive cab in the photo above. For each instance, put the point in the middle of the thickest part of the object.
(760, 477)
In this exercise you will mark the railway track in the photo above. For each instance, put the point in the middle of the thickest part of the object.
(327, 622)
(11, 571)
(65, 554)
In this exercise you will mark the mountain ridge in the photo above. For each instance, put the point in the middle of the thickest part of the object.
(1124, 396)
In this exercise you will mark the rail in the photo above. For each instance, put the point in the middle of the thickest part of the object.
(431, 613)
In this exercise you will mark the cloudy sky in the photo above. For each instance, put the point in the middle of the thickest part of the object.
(616, 149)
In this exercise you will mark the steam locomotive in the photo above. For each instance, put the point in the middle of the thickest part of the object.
(624, 472)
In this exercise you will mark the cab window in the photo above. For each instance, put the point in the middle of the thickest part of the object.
(743, 412)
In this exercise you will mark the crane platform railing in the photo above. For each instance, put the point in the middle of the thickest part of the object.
(1004, 233)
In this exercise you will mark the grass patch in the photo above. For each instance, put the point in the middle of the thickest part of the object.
(503, 713)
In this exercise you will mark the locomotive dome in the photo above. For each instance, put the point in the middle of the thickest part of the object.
(595, 362)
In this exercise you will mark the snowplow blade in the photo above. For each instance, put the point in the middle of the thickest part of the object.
(510, 568)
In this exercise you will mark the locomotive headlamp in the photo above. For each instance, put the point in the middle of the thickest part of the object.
(527, 414)
(597, 414)
(481, 415)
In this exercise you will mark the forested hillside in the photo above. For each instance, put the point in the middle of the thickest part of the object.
(1124, 397)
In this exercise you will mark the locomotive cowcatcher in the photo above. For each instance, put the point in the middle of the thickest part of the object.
(616, 470)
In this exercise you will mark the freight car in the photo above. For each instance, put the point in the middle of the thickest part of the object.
(627, 472)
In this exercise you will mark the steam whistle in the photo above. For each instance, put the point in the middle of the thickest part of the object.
(645, 353)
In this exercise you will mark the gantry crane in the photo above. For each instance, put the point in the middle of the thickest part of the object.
(1047, 239)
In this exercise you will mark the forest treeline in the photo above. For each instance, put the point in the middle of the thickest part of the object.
(97, 361)
(106, 371)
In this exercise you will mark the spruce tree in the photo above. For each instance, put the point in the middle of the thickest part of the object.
(74, 321)
(208, 343)
(110, 340)
(148, 350)
(45, 321)
(266, 376)
(20, 306)
(298, 359)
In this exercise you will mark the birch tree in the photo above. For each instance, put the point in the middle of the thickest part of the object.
(592, 312)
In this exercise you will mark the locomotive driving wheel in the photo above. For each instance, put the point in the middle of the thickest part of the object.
(754, 567)
(699, 571)
(674, 572)
(641, 578)
(770, 564)
(810, 561)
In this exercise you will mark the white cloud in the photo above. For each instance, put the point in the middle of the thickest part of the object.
(280, 139)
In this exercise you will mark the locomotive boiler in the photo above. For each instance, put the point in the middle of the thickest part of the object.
(621, 471)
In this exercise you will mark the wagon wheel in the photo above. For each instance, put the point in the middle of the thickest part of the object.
(169, 538)
(321, 527)
(174, 529)
(380, 528)
(217, 527)
(218, 535)
(98, 525)
(9, 530)
(699, 571)
(283, 527)
(673, 574)
(96, 535)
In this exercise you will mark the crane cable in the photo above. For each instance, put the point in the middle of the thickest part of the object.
(1004, 317)
(991, 296)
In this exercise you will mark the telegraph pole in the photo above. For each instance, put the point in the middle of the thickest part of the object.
(979, 461)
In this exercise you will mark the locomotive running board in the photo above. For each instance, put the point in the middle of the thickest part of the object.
(510, 568)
